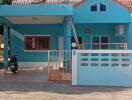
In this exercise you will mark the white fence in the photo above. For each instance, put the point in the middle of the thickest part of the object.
(60, 59)
(102, 67)
(59, 65)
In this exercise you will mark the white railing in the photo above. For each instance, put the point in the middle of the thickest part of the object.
(30, 2)
(99, 63)
(59, 60)
(112, 46)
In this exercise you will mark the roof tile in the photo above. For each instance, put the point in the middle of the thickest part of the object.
(125, 3)
(29, 2)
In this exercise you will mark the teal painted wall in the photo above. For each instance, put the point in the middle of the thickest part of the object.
(114, 13)
(99, 29)
(17, 44)
(36, 10)
(128, 37)
(101, 23)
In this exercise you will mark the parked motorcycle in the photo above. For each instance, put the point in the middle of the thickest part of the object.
(13, 64)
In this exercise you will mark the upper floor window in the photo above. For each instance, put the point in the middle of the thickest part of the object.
(102, 7)
(94, 7)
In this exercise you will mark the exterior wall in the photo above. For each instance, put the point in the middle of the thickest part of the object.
(17, 43)
(100, 23)
(17, 38)
(36, 10)
(99, 29)
(128, 37)
(114, 13)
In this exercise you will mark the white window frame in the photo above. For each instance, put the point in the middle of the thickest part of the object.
(99, 40)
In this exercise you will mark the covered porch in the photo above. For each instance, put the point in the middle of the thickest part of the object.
(26, 28)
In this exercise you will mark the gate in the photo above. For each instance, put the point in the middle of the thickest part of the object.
(102, 67)
(59, 65)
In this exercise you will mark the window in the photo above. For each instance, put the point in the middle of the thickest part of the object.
(95, 42)
(94, 8)
(37, 42)
(102, 7)
(100, 42)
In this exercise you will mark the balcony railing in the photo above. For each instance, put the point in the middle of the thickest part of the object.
(113, 46)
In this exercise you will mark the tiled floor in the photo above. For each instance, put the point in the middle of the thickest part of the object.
(24, 76)
(33, 85)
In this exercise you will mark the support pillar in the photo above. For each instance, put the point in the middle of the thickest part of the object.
(5, 46)
(67, 33)
(67, 44)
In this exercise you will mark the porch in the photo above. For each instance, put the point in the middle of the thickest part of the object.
(26, 24)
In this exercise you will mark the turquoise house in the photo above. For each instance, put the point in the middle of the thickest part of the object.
(36, 27)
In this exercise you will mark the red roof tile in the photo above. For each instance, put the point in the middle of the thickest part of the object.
(125, 3)
(28, 2)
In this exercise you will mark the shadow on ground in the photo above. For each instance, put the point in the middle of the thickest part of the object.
(60, 88)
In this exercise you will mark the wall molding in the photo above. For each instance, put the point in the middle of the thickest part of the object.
(32, 64)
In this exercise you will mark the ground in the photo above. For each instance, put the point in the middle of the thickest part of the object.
(33, 85)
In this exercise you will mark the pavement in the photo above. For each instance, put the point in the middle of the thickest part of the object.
(33, 85)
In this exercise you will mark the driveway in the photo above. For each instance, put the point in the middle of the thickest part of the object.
(36, 87)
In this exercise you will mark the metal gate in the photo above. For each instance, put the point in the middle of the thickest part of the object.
(59, 65)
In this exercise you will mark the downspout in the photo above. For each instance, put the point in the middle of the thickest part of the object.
(75, 35)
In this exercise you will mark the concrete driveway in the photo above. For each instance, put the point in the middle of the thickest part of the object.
(34, 86)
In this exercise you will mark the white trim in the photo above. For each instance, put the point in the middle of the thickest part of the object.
(105, 51)
(37, 35)
(74, 67)
(32, 64)
(36, 50)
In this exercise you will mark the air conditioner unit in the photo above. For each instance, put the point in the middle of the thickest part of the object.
(120, 30)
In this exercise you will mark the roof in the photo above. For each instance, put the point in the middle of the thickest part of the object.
(24, 2)
(125, 3)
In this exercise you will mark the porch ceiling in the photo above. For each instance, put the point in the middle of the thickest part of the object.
(35, 19)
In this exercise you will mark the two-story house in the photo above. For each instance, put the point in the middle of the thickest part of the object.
(38, 29)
